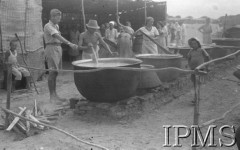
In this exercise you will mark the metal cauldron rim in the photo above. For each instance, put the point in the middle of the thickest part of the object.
(148, 56)
(227, 39)
(133, 60)
(204, 46)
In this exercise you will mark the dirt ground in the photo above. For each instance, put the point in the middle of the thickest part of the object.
(133, 124)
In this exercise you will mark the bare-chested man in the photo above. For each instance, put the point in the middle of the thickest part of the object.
(90, 39)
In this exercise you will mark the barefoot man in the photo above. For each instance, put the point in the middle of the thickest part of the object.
(53, 51)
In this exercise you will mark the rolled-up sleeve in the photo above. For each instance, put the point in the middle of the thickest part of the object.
(51, 30)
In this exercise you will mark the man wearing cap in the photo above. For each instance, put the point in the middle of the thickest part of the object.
(111, 33)
(89, 40)
(53, 50)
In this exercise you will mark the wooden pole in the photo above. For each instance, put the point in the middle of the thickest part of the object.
(196, 100)
(145, 10)
(83, 14)
(25, 62)
(216, 60)
(55, 128)
(117, 9)
(9, 90)
(1, 34)
(25, 24)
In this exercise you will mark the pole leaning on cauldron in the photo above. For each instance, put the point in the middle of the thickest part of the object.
(165, 50)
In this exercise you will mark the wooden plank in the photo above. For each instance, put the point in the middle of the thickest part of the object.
(35, 108)
(16, 119)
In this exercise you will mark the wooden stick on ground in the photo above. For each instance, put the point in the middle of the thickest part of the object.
(55, 128)
(15, 119)
(35, 108)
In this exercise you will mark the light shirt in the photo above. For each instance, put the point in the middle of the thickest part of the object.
(111, 35)
(12, 59)
(49, 30)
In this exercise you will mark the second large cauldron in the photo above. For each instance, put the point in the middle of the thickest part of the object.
(107, 85)
(161, 60)
(227, 41)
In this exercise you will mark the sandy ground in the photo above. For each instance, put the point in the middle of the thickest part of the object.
(134, 125)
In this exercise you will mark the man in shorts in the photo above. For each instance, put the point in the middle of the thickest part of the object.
(53, 51)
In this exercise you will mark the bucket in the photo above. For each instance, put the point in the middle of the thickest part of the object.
(137, 45)
(73, 102)
(148, 79)
(237, 73)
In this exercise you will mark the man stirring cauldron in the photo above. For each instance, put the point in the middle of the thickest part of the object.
(90, 39)
(53, 51)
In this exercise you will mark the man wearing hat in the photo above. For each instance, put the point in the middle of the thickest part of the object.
(89, 40)
(53, 50)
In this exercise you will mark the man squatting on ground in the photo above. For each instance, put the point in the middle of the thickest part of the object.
(53, 50)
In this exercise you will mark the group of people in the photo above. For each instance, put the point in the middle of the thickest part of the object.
(88, 42)
(90, 39)
(177, 33)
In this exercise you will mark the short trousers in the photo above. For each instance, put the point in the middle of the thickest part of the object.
(53, 56)
(19, 71)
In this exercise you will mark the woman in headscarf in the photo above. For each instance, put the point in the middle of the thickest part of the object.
(148, 47)
(178, 34)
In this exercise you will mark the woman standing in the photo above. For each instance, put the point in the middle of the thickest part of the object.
(124, 41)
(124, 44)
(162, 35)
(172, 32)
(148, 47)
(178, 34)
(206, 31)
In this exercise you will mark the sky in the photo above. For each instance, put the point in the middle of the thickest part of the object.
(198, 8)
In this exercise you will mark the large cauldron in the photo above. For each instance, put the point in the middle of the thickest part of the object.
(108, 85)
(161, 60)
